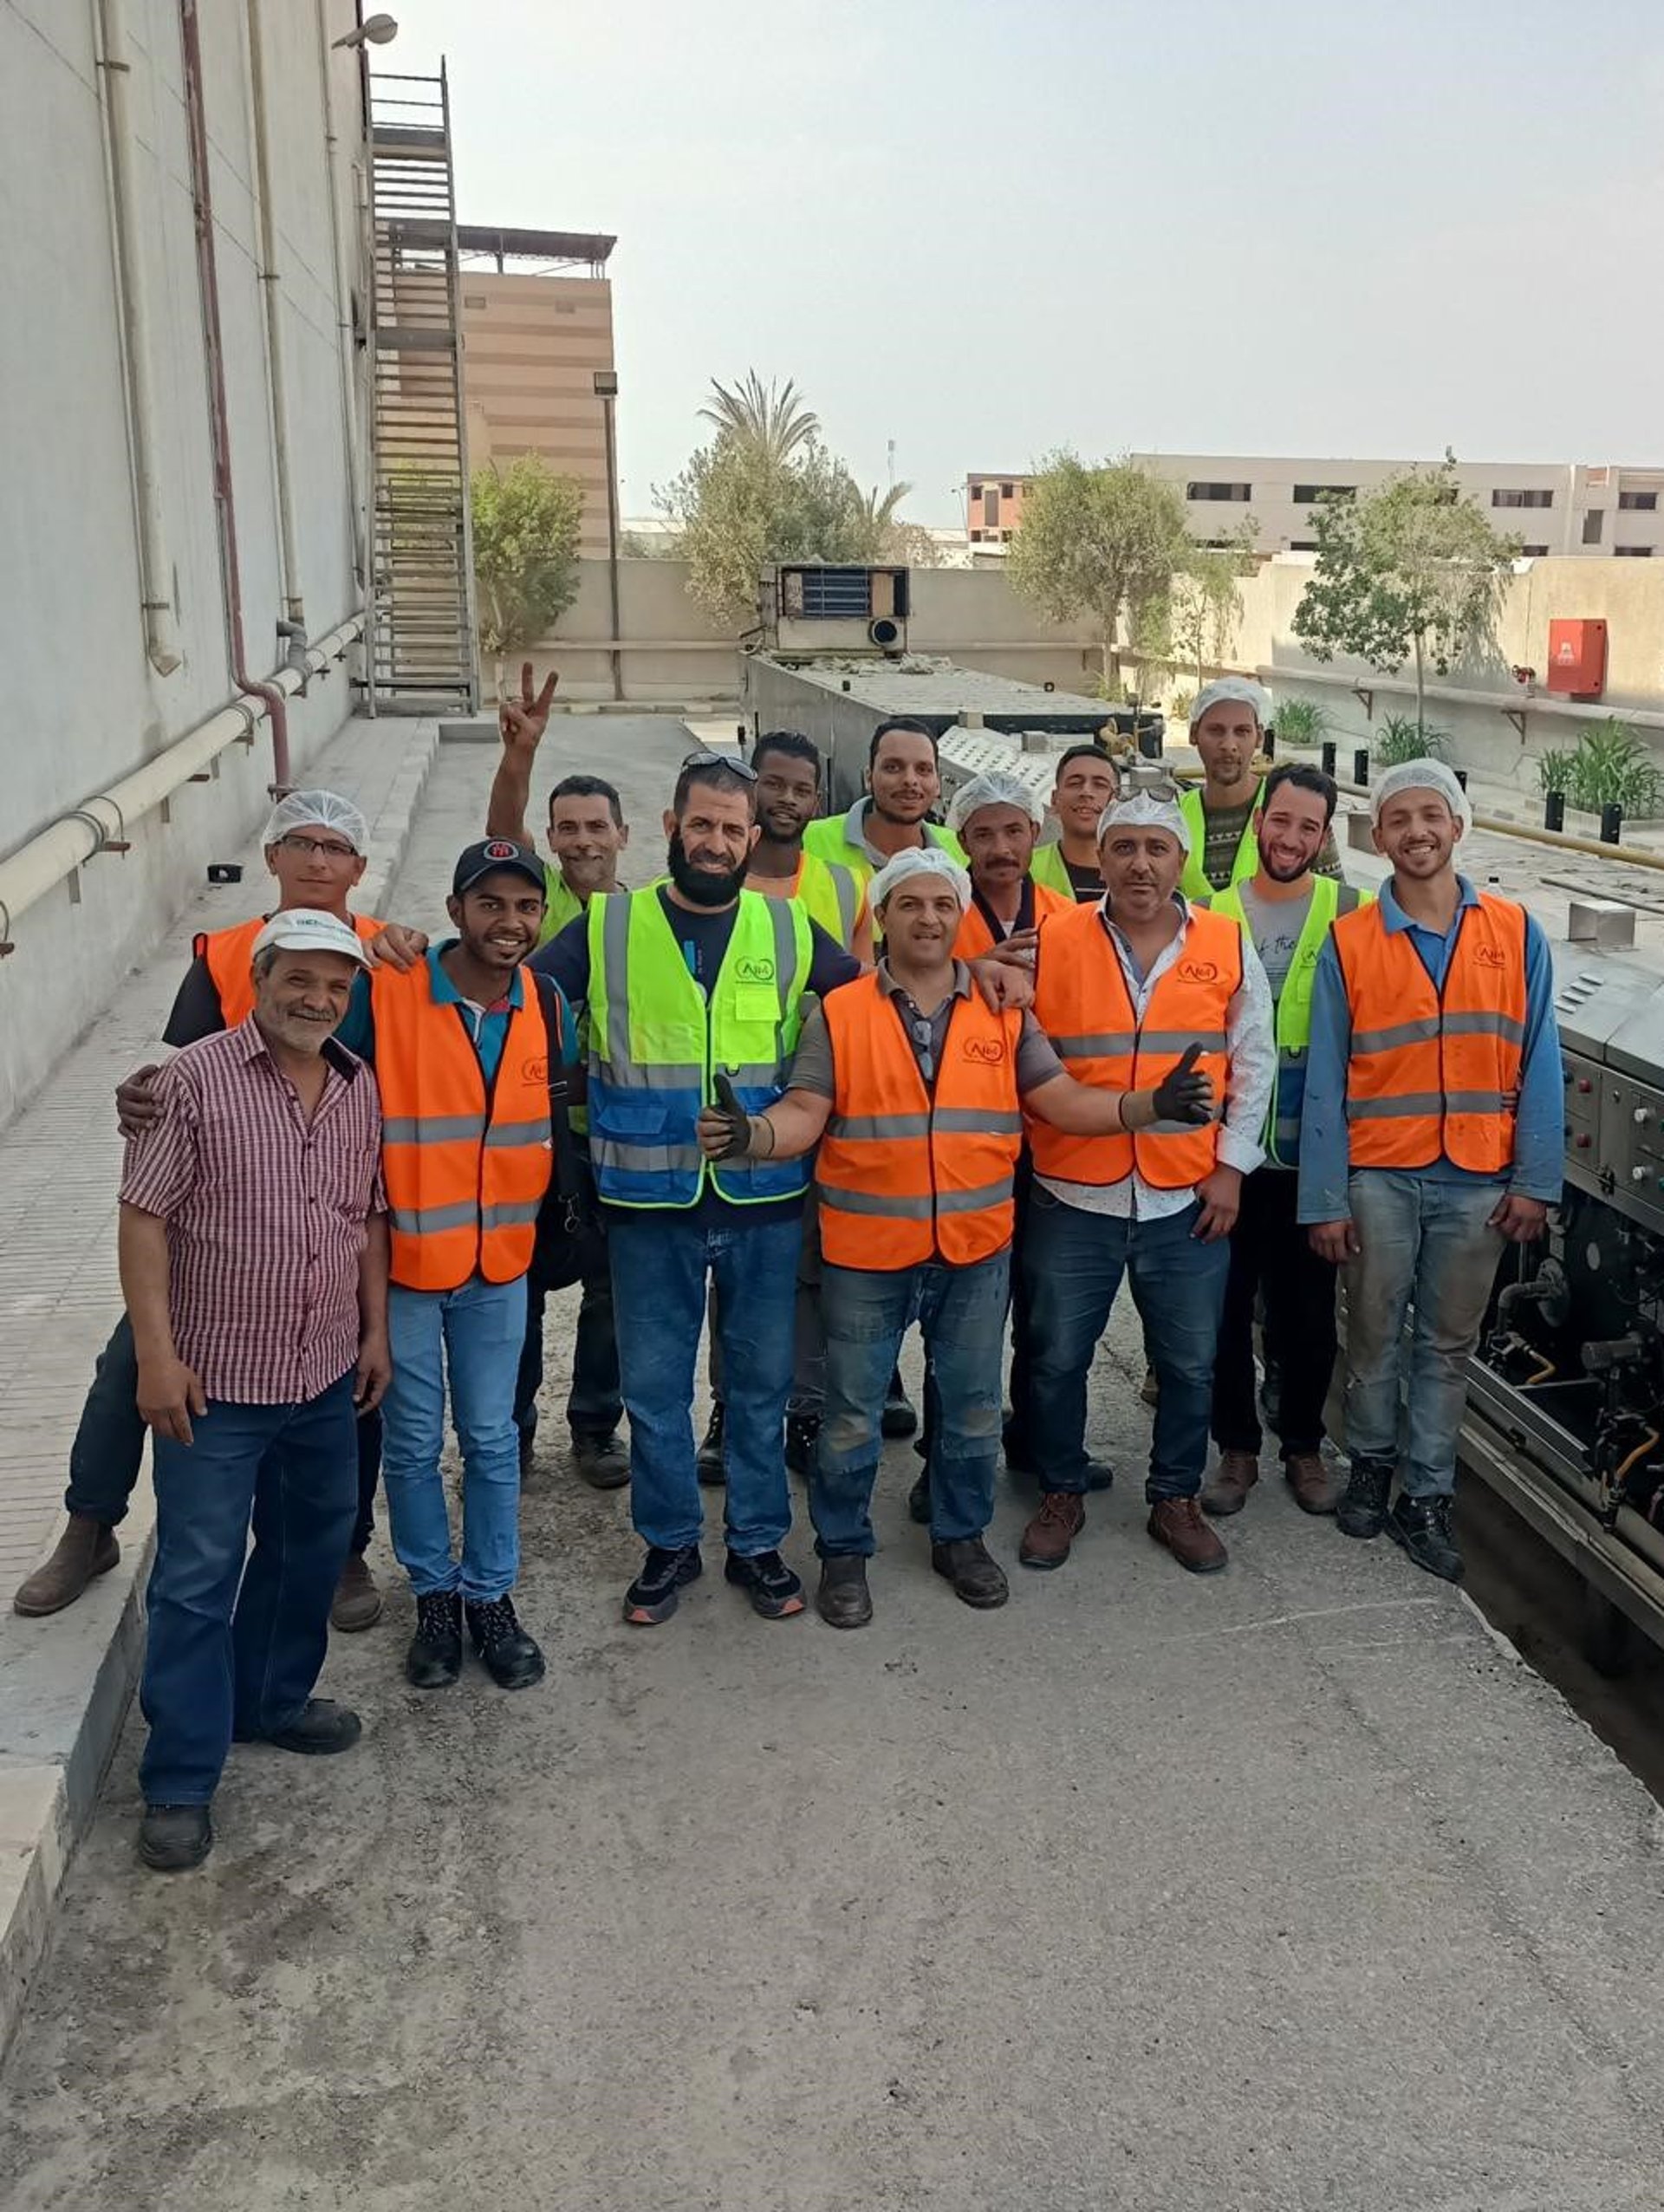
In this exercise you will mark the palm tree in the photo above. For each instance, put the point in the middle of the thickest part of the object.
(770, 418)
(878, 509)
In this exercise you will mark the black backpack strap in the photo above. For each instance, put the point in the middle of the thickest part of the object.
(566, 1180)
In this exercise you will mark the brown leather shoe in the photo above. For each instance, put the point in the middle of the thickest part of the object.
(357, 1603)
(1316, 1490)
(86, 1548)
(1047, 1538)
(1178, 1523)
(1234, 1477)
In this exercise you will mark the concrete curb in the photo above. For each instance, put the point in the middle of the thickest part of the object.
(49, 1780)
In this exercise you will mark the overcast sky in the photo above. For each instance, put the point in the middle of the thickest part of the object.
(984, 227)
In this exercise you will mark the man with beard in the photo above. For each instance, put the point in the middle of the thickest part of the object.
(1226, 720)
(1087, 782)
(904, 783)
(686, 979)
(1286, 912)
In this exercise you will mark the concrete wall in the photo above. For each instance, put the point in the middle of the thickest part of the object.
(83, 705)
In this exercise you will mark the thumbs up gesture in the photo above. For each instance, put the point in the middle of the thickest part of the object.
(1184, 1096)
(724, 1129)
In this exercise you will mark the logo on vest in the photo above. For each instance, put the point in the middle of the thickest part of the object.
(534, 1071)
(754, 971)
(989, 1051)
(1198, 972)
(1491, 956)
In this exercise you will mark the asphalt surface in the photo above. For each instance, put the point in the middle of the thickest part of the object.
(1290, 1887)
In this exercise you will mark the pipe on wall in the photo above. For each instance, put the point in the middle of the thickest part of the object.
(271, 295)
(155, 569)
(346, 334)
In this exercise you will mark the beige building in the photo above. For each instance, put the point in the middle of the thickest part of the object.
(536, 337)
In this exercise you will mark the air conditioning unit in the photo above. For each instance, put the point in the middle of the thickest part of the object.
(825, 610)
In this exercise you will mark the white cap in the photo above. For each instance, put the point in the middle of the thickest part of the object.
(920, 860)
(307, 929)
(1427, 775)
(1238, 688)
(997, 788)
(1143, 810)
(318, 810)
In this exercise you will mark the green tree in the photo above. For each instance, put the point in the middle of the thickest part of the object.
(526, 525)
(1411, 571)
(769, 418)
(738, 509)
(1102, 542)
(1207, 602)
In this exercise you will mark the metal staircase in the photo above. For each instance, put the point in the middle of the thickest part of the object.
(422, 658)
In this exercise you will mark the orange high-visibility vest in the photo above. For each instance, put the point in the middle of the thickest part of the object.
(1434, 1073)
(1083, 1004)
(230, 954)
(975, 938)
(904, 1176)
(465, 1167)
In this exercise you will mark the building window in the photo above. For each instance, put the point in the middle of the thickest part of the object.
(1522, 499)
(976, 537)
(1593, 521)
(1307, 495)
(1535, 552)
(1008, 492)
(1645, 502)
(1243, 491)
(991, 508)
(1632, 552)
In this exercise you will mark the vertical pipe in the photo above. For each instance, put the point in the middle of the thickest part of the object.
(155, 570)
(271, 298)
(608, 404)
(342, 296)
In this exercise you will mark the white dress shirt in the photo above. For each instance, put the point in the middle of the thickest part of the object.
(1250, 1055)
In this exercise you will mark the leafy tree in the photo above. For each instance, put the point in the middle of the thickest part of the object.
(772, 419)
(1411, 570)
(1102, 542)
(526, 524)
(1207, 600)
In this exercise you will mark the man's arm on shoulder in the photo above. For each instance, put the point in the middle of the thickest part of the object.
(565, 960)
(158, 1167)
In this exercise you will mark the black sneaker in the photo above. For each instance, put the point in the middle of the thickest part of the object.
(802, 1433)
(713, 1470)
(899, 1418)
(602, 1459)
(172, 1838)
(434, 1659)
(1363, 1510)
(511, 1658)
(773, 1589)
(652, 1597)
(1422, 1526)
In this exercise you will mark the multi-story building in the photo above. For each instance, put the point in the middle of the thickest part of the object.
(538, 368)
(1553, 506)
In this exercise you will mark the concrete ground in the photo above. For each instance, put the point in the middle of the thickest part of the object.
(1288, 1887)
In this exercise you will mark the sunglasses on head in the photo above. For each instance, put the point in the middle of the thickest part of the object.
(731, 761)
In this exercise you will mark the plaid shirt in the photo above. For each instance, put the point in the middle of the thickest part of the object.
(265, 1214)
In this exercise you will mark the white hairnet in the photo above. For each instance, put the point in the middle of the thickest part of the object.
(1232, 688)
(1143, 810)
(318, 810)
(1423, 776)
(997, 788)
(923, 860)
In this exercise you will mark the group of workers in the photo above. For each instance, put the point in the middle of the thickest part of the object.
(825, 1078)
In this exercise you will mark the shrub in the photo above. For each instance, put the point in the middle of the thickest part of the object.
(1612, 767)
(1301, 722)
(1556, 769)
(1399, 739)
(1178, 705)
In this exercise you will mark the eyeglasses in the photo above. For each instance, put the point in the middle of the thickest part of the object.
(304, 848)
(732, 761)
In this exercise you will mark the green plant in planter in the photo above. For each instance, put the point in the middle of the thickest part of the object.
(1399, 739)
(1556, 769)
(1612, 767)
(1301, 722)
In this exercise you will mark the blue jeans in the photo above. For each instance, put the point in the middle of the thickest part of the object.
(661, 1261)
(472, 1338)
(961, 1311)
(1426, 1245)
(1073, 1261)
(234, 1648)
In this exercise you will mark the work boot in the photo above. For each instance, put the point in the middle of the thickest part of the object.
(802, 1433)
(1234, 1477)
(511, 1659)
(774, 1590)
(1150, 1389)
(1178, 1523)
(652, 1597)
(604, 1461)
(1049, 1535)
(713, 1470)
(357, 1603)
(979, 1580)
(899, 1418)
(1363, 1510)
(87, 1547)
(843, 1600)
(434, 1659)
(320, 1728)
(918, 1500)
(527, 1453)
(174, 1837)
(1422, 1526)
(1316, 1487)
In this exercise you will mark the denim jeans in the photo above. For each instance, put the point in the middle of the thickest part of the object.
(109, 1447)
(661, 1262)
(1073, 1261)
(808, 1354)
(472, 1338)
(1425, 1247)
(233, 1648)
(961, 1311)
(1272, 1255)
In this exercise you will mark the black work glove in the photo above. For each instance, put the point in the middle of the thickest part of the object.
(1184, 1096)
(728, 1112)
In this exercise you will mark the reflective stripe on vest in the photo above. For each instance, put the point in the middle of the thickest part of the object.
(975, 938)
(903, 1176)
(1281, 1135)
(228, 954)
(465, 1170)
(1433, 1073)
(825, 839)
(1082, 1003)
(654, 1039)
(1194, 882)
(832, 895)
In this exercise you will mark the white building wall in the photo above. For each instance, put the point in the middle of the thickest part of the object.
(83, 706)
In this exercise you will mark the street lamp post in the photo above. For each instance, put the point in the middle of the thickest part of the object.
(607, 393)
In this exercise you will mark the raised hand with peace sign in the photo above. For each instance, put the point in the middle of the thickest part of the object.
(521, 719)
